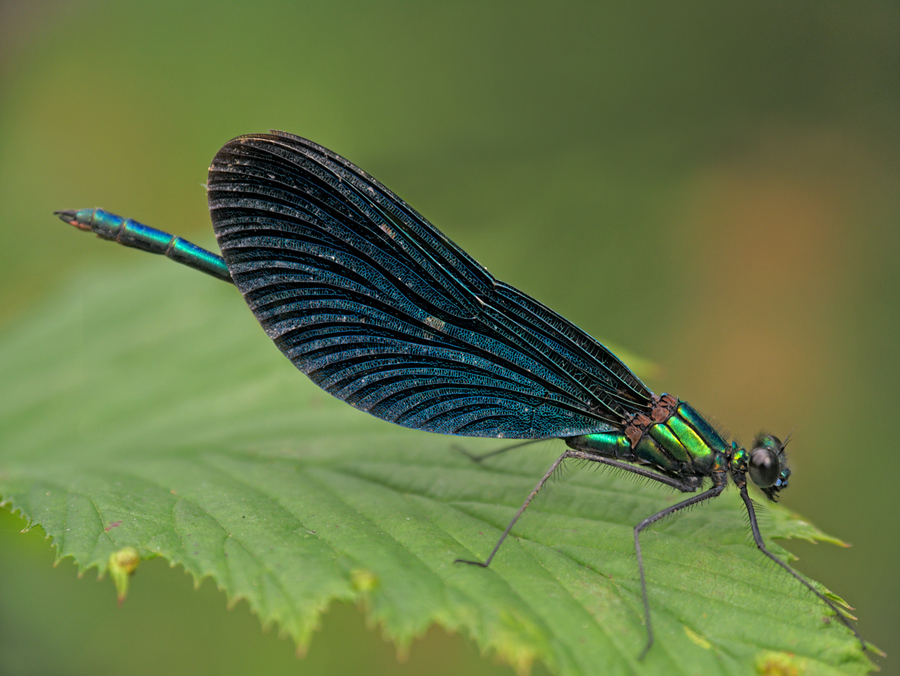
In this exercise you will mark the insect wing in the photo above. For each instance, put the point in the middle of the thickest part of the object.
(381, 310)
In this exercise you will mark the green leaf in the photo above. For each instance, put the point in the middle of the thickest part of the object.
(149, 410)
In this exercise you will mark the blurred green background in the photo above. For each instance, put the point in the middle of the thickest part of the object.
(714, 186)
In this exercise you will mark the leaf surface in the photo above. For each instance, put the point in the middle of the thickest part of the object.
(149, 410)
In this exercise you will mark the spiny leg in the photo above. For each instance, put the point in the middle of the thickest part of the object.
(706, 495)
(682, 485)
(490, 454)
(757, 536)
(540, 485)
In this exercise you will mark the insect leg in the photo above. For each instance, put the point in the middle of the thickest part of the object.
(754, 527)
(540, 485)
(713, 492)
(490, 454)
(682, 485)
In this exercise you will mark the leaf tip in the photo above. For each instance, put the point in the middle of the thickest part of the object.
(122, 564)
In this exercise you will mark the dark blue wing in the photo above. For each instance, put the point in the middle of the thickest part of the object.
(383, 311)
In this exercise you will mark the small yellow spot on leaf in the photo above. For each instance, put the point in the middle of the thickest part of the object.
(363, 580)
(779, 664)
(698, 639)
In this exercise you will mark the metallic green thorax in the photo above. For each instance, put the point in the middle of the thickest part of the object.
(674, 440)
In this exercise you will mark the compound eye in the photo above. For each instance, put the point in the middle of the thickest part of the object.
(765, 469)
